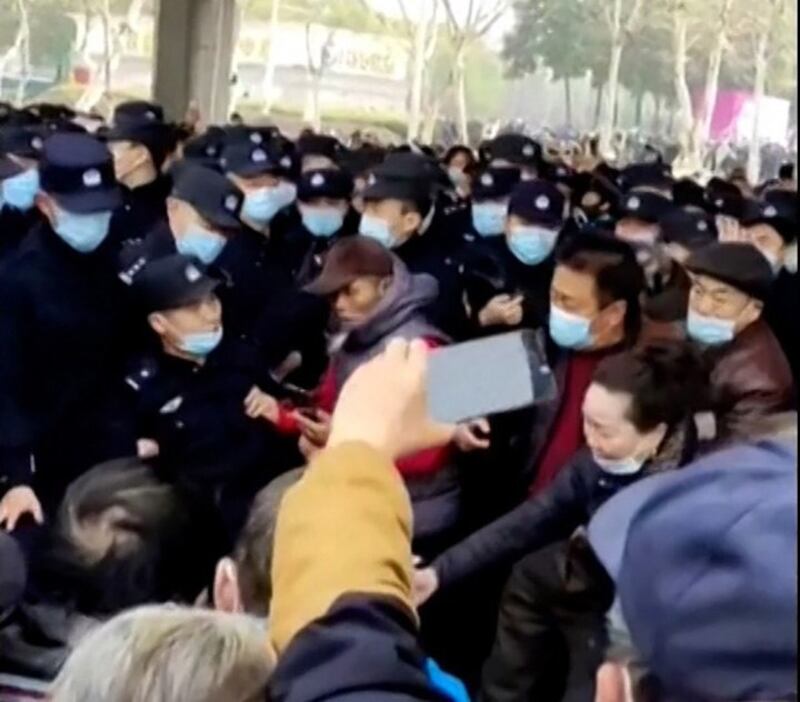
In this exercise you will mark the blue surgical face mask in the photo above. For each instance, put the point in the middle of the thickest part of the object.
(202, 244)
(20, 190)
(710, 331)
(322, 222)
(489, 218)
(378, 229)
(570, 331)
(457, 176)
(532, 245)
(83, 232)
(201, 344)
(260, 206)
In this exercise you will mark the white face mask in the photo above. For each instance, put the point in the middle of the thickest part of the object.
(619, 466)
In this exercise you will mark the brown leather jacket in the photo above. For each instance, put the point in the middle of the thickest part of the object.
(750, 379)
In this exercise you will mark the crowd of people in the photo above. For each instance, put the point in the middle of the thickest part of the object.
(218, 475)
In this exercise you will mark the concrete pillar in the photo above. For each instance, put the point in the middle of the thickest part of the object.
(194, 56)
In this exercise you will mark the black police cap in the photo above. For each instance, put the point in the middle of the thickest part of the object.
(248, 160)
(243, 133)
(538, 202)
(24, 141)
(320, 145)
(688, 193)
(495, 183)
(171, 282)
(215, 197)
(778, 209)
(645, 206)
(328, 182)
(404, 176)
(137, 112)
(78, 171)
(692, 230)
(206, 149)
(741, 266)
(514, 148)
(646, 175)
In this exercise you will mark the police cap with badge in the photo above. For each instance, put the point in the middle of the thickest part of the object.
(172, 282)
(644, 206)
(724, 198)
(215, 197)
(320, 145)
(249, 160)
(495, 183)
(778, 209)
(206, 149)
(25, 141)
(246, 134)
(538, 202)
(517, 149)
(142, 122)
(692, 230)
(404, 176)
(329, 183)
(78, 172)
(653, 176)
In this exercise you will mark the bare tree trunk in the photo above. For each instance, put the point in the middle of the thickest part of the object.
(712, 74)
(688, 156)
(461, 94)
(107, 44)
(639, 109)
(24, 53)
(598, 105)
(567, 101)
(762, 64)
(417, 79)
(609, 122)
(269, 70)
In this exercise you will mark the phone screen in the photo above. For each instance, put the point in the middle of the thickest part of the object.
(488, 376)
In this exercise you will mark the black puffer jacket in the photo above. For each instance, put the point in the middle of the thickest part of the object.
(578, 492)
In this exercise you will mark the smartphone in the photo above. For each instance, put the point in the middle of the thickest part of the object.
(489, 376)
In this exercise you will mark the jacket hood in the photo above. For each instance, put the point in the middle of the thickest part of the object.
(406, 296)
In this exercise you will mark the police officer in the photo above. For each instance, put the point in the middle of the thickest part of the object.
(139, 140)
(319, 152)
(324, 206)
(60, 333)
(205, 149)
(199, 398)
(398, 211)
(20, 149)
(514, 151)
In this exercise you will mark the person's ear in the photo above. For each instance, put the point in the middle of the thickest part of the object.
(384, 285)
(47, 207)
(751, 313)
(654, 440)
(157, 323)
(613, 316)
(410, 222)
(227, 597)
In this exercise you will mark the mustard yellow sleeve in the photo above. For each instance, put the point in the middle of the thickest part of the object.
(344, 528)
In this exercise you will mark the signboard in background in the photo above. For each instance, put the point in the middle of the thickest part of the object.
(345, 52)
(734, 116)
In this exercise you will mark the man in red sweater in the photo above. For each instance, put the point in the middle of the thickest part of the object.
(594, 312)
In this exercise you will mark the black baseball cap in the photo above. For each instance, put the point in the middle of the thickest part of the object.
(78, 172)
(142, 122)
(694, 230)
(213, 195)
(320, 145)
(248, 160)
(171, 282)
(206, 149)
(404, 176)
